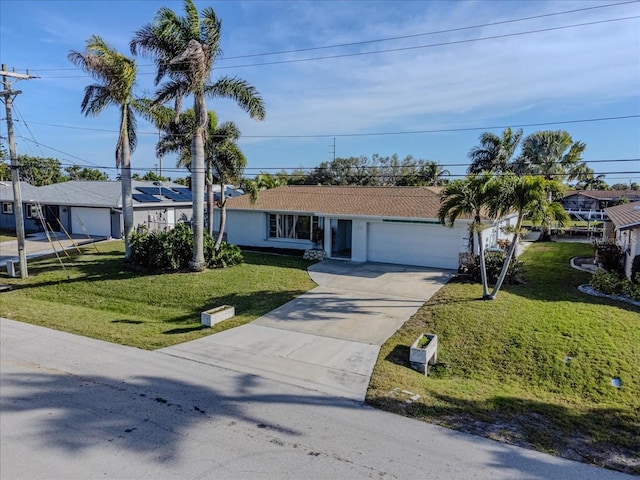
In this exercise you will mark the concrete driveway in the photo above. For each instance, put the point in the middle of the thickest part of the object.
(328, 339)
(38, 245)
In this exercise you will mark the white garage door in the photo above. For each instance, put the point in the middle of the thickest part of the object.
(414, 244)
(92, 221)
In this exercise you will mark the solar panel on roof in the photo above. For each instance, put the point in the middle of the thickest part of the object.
(150, 190)
(183, 190)
(176, 197)
(145, 198)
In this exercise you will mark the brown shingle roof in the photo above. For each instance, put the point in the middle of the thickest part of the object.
(393, 202)
(603, 194)
(624, 216)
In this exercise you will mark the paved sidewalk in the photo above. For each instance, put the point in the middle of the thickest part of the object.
(329, 338)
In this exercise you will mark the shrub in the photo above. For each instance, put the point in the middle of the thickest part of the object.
(494, 261)
(635, 270)
(227, 256)
(631, 288)
(607, 282)
(173, 249)
(610, 256)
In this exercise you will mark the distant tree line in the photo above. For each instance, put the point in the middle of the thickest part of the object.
(364, 171)
(551, 154)
(39, 171)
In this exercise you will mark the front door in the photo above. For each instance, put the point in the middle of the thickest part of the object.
(52, 217)
(341, 238)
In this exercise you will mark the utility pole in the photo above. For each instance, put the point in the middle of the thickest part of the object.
(159, 154)
(8, 95)
(334, 149)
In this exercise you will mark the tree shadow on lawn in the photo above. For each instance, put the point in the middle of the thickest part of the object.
(145, 414)
(602, 436)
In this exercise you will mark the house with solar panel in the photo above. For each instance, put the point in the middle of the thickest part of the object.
(95, 208)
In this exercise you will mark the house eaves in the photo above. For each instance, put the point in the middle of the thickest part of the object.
(625, 216)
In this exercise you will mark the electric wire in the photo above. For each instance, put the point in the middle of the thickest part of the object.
(374, 134)
(400, 37)
(390, 50)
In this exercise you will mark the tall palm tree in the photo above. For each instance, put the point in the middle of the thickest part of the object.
(224, 162)
(494, 152)
(116, 77)
(552, 154)
(184, 50)
(468, 197)
(528, 196)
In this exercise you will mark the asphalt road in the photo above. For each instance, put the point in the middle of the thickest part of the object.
(77, 408)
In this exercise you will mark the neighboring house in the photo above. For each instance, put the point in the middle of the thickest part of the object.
(590, 204)
(626, 231)
(95, 208)
(378, 224)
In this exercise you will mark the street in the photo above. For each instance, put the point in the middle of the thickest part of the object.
(78, 408)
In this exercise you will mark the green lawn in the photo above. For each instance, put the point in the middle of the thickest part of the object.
(503, 370)
(97, 297)
(6, 235)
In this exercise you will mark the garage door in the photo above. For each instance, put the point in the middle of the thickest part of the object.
(92, 221)
(414, 244)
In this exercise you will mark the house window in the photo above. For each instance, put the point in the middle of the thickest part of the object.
(7, 208)
(296, 227)
(33, 211)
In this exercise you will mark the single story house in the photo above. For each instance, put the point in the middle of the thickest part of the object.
(626, 231)
(95, 207)
(590, 204)
(378, 224)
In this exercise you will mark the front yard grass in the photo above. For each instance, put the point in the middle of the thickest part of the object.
(533, 367)
(7, 235)
(96, 296)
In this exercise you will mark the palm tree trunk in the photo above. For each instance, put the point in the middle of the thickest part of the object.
(125, 182)
(197, 183)
(209, 183)
(545, 231)
(483, 267)
(223, 217)
(507, 260)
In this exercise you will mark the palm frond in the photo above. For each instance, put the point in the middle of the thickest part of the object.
(242, 92)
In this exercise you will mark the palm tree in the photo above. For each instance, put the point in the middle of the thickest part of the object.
(527, 196)
(224, 162)
(552, 154)
(184, 50)
(432, 174)
(494, 153)
(468, 197)
(116, 77)
(228, 166)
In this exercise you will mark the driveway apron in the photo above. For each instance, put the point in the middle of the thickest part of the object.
(328, 339)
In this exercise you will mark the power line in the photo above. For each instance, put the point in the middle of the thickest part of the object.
(415, 35)
(398, 49)
(432, 45)
(400, 37)
(182, 170)
(410, 132)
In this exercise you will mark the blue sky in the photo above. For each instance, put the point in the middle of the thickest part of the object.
(431, 82)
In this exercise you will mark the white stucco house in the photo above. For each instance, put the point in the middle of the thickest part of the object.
(378, 224)
(626, 231)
